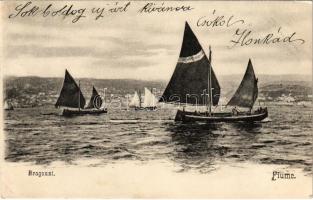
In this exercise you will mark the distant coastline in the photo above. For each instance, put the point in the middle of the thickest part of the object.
(33, 91)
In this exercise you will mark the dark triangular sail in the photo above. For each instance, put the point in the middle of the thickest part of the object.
(70, 95)
(247, 92)
(190, 80)
(95, 100)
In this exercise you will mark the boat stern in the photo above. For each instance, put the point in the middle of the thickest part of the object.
(179, 116)
(265, 112)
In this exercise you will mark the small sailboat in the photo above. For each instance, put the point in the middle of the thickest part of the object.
(135, 101)
(73, 100)
(7, 105)
(195, 83)
(149, 102)
(95, 101)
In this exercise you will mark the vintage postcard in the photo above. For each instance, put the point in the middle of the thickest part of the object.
(156, 99)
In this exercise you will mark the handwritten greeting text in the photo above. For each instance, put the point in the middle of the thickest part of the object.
(218, 21)
(242, 33)
(29, 9)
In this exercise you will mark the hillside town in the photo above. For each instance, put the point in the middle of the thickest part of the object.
(33, 92)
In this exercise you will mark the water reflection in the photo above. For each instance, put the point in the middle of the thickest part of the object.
(243, 140)
(248, 127)
(201, 146)
(194, 146)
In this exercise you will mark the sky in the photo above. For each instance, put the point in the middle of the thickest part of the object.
(136, 45)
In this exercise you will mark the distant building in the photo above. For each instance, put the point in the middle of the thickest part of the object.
(287, 99)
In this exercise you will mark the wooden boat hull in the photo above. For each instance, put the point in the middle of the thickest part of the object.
(69, 113)
(186, 117)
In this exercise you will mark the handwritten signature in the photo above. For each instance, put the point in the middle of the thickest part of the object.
(244, 38)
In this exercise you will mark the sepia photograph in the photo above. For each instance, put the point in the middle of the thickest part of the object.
(156, 99)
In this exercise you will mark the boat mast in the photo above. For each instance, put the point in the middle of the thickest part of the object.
(104, 96)
(210, 83)
(139, 94)
(153, 97)
(78, 95)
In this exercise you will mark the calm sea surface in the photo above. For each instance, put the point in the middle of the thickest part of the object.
(42, 136)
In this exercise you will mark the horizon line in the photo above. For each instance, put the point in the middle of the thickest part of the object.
(21, 76)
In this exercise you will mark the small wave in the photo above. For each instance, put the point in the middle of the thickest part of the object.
(124, 121)
(303, 144)
(284, 142)
(283, 161)
(124, 156)
(89, 146)
(298, 135)
(268, 141)
(86, 123)
(55, 114)
(111, 151)
(151, 143)
(266, 120)
(234, 156)
(131, 121)
(257, 146)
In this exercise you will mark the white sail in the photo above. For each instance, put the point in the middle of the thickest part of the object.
(7, 106)
(135, 102)
(149, 100)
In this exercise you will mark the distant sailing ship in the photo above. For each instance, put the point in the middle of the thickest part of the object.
(7, 105)
(73, 100)
(149, 102)
(194, 82)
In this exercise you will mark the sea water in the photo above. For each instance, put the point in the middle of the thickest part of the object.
(41, 136)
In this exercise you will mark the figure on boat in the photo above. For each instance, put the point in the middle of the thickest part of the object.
(73, 102)
(195, 83)
(149, 102)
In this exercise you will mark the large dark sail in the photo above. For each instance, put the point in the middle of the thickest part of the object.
(71, 95)
(95, 100)
(247, 92)
(190, 80)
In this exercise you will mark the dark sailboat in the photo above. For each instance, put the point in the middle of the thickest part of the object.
(194, 82)
(74, 101)
(247, 91)
(95, 100)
